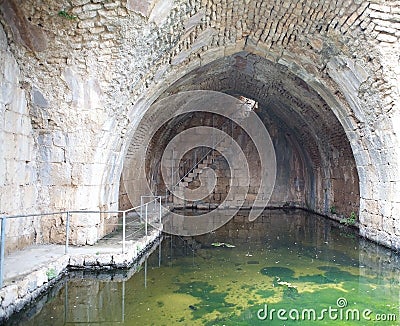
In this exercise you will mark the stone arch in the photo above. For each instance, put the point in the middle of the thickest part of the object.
(203, 72)
(343, 109)
(100, 72)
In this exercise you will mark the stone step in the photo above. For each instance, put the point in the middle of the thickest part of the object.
(202, 166)
(183, 184)
(187, 179)
(198, 171)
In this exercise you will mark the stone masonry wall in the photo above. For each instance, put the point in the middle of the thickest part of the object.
(90, 69)
(18, 165)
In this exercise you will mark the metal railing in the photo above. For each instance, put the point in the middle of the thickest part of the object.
(148, 212)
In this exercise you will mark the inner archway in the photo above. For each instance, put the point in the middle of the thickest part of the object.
(316, 169)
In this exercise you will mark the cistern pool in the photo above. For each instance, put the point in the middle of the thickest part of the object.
(285, 268)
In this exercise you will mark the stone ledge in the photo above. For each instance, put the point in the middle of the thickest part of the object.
(15, 296)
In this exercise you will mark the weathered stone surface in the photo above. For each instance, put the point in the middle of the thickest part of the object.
(38, 98)
(161, 11)
(9, 295)
(195, 20)
(24, 32)
(3, 40)
(97, 84)
(387, 38)
(140, 6)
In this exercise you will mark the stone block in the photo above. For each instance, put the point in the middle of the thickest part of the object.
(11, 73)
(9, 146)
(3, 40)
(24, 148)
(87, 235)
(96, 30)
(120, 261)
(385, 208)
(142, 7)
(15, 172)
(79, 2)
(86, 24)
(26, 126)
(160, 11)
(38, 98)
(76, 260)
(40, 277)
(104, 260)
(23, 287)
(90, 260)
(386, 38)
(112, 5)
(30, 196)
(60, 174)
(383, 238)
(59, 138)
(12, 121)
(388, 225)
(8, 206)
(2, 171)
(380, 7)
(57, 155)
(85, 219)
(9, 295)
(61, 197)
(92, 7)
(370, 206)
(6, 92)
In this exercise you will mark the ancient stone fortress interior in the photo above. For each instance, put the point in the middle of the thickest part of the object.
(80, 81)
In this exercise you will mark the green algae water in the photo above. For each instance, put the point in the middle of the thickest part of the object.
(285, 268)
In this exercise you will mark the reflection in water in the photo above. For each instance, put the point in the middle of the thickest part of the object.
(283, 260)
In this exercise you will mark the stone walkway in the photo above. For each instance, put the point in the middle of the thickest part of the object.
(20, 263)
(31, 271)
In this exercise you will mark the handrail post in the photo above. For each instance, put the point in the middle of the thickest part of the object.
(159, 207)
(141, 208)
(67, 233)
(2, 245)
(123, 301)
(123, 231)
(145, 225)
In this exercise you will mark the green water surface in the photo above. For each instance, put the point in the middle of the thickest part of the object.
(294, 263)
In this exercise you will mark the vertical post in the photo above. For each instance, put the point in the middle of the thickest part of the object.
(123, 301)
(141, 208)
(66, 302)
(231, 131)
(172, 177)
(159, 207)
(159, 254)
(123, 230)
(67, 234)
(170, 249)
(2, 245)
(213, 139)
(145, 273)
(145, 225)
